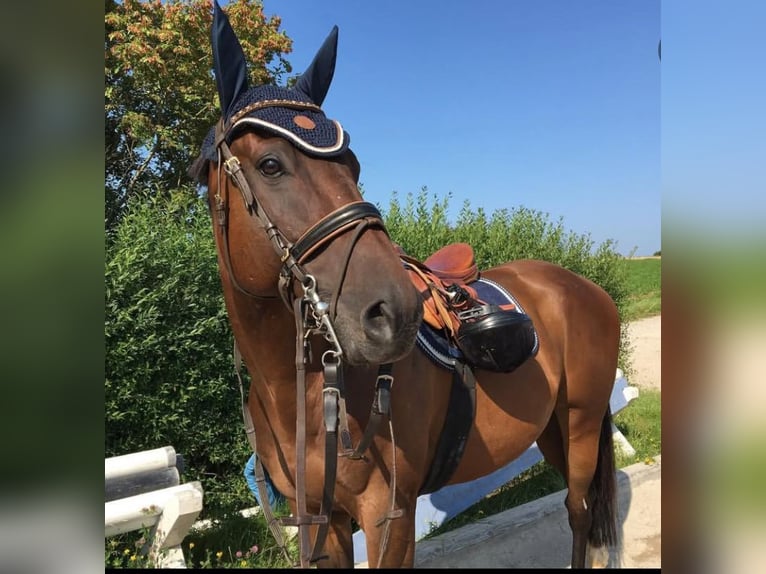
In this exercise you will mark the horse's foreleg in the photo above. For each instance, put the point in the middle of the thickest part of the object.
(392, 544)
(338, 551)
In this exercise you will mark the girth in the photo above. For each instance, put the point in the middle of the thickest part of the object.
(461, 411)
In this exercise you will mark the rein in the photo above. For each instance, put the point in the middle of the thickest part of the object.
(312, 316)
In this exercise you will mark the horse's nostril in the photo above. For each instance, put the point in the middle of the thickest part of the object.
(376, 310)
(378, 321)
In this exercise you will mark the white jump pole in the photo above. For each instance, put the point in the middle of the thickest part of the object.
(148, 460)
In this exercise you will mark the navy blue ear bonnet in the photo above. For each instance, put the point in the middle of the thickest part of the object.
(292, 113)
(296, 118)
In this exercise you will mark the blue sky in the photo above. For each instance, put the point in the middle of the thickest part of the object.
(552, 105)
(713, 120)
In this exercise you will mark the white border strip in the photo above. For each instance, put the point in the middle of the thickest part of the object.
(291, 136)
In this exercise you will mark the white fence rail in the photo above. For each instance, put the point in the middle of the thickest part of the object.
(142, 490)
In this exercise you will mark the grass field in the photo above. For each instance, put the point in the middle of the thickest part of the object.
(644, 277)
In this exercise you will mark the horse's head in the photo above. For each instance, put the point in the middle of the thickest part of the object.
(282, 186)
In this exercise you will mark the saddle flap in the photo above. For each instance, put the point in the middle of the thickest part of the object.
(428, 286)
(497, 340)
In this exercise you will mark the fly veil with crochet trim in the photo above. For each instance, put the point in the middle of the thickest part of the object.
(292, 113)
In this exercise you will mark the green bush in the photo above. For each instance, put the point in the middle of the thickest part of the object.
(168, 346)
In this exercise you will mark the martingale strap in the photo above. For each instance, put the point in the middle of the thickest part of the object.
(260, 477)
(332, 394)
(381, 405)
(303, 519)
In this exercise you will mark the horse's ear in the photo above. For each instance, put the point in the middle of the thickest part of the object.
(228, 61)
(315, 81)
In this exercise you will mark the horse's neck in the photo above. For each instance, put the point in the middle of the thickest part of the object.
(266, 337)
(265, 334)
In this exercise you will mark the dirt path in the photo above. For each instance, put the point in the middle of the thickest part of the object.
(645, 337)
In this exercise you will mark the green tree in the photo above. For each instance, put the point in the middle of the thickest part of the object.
(160, 97)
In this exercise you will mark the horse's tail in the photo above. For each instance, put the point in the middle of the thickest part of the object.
(603, 490)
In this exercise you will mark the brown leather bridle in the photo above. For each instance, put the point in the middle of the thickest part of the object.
(357, 215)
(312, 316)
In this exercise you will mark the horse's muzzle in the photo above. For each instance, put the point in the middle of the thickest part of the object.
(386, 329)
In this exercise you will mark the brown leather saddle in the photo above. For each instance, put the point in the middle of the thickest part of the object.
(443, 280)
(497, 337)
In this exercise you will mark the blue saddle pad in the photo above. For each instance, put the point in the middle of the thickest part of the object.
(435, 344)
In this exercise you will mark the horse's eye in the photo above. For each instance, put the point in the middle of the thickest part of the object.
(270, 167)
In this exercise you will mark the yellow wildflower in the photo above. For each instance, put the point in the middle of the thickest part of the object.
(133, 558)
(244, 563)
(219, 554)
(191, 545)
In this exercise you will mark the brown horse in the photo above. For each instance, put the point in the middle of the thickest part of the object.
(305, 262)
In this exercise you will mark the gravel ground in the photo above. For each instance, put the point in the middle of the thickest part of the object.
(645, 337)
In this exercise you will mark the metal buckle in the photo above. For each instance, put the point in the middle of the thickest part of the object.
(382, 402)
(389, 378)
(232, 165)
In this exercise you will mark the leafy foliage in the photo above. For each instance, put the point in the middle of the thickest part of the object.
(160, 97)
(168, 346)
